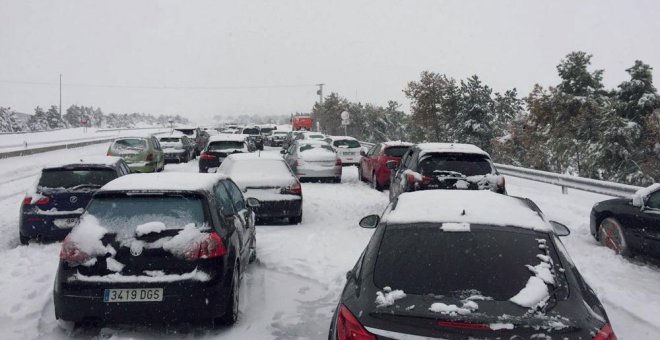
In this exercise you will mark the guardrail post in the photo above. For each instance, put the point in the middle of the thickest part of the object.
(564, 190)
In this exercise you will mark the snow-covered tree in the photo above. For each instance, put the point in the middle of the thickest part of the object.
(9, 122)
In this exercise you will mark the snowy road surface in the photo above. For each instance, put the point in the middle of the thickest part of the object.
(292, 290)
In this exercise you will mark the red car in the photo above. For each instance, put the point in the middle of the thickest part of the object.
(372, 166)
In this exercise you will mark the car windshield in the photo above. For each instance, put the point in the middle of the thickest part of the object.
(226, 145)
(467, 164)
(251, 131)
(75, 177)
(316, 147)
(170, 140)
(425, 260)
(187, 132)
(121, 214)
(347, 143)
(396, 151)
(133, 144)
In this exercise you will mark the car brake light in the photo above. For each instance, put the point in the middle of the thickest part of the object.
(349, 328)
(207, 157)
(42, 201)
(70, 252)
(338, 162)
(464, 325)
(426, 180)
(150, 157)
(295, 189)
(411, 179)
(27, 200)
(209, 247)
(605, 333)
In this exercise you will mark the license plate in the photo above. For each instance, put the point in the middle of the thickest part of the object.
(133, 295)
(65, 222)
(349, 153)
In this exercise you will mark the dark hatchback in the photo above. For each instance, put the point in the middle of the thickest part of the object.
(157, 249)
(460, 280)
(629, 226)
(219, 148)
(50, 211)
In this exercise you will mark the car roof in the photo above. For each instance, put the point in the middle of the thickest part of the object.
(175, 181)
(255, 156)
(100, 161)
(174, 133)
(396, 143)
(450, 147)
(311, 142)
(341, 138)
(228, 137)
(465, 206)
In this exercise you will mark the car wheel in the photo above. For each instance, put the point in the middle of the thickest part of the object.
(231, 309)
(253, 250)
(337, 180)
(23, 239)
(374, 182)
(611, 236)
(295, 219)
(360, 174)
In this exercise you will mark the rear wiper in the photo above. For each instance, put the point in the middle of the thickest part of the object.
(79, 186)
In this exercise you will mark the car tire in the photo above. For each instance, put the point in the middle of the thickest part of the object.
(360, 174)
(253, 249)
(231, 310)
(295, 219)
(374, 182)
(337, 180)
(610, 234)
(23, 239)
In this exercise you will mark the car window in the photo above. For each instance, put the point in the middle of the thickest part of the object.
(67, 178)
(123, 165)
(406, 159)
(236, 195)
(129, 145)
(223, 201)
(653, 201)
(348, 143)
(466, 164)
(487, 261)
(396, 151)
(226, 145)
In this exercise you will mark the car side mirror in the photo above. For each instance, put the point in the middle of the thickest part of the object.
(560, 229)
(252, 202)
(362, 153)
(350, 274)
(283, 151)
(370, 221)
(391, 165)
(638, 201)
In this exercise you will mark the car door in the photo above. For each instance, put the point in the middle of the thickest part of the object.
(244, 221)
(649, 218)
(397, 178)
(372, 159)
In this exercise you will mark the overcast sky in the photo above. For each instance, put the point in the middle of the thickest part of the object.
(214, 54)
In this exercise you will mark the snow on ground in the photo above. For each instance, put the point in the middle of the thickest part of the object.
(293, 288)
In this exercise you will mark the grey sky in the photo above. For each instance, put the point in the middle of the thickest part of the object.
(365, 50)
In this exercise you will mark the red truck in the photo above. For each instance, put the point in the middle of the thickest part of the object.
(301, 123)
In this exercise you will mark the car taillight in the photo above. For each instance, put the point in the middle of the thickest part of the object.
(295, 189)
(349, 328)
(42, 201)
(411, 179)
(207, 157)
(338, 162)
(150, 157)
(501, 183)
(464, 325)
(209, 247)
(71, 253)
(426, 180)
(605, 333)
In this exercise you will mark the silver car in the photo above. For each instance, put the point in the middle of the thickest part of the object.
(313, 160)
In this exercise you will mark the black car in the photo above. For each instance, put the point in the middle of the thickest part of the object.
(270, 180)
(157, 249)
(255, 136)
(466, 271)
(219, 148)
(629, 226)
(444, 166)
(52, 208)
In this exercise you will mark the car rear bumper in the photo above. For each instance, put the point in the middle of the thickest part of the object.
(333, 172)
(287, 208)
(142, 167)
(42, 227)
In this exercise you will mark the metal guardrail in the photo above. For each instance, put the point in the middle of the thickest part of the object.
(562, 180)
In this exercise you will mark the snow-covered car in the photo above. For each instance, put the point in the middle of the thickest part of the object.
(348, 148)
(177, 147)
(277, 138)
(313, 160)
(478, 265)
(254, 133)
(373, 164)
(444, 166)
(62, 192)
(629, 226)
(219, 148)
(268, 179)
(142, 154)
(197, 135)
(157, 248)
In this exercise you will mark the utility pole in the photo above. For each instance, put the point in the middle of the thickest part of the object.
(60, 95)
(320, 93)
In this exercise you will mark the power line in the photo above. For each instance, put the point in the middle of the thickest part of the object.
(165, 87)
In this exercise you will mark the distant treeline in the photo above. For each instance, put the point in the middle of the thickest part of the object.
(78, 116)
(576, 126)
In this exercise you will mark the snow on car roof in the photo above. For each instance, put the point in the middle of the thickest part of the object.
(311, 142)
(255, 156)
(396, 143)
(465, 206)
(90, 160)
(228, 137)
(173, 133)
(175, 181)
(341, 137)
(648, 190)
(450, 147)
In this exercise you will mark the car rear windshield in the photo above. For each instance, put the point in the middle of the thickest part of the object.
(425, 260)
(307, 147)
(251, 131)
(396, 151)
(266, 130)
(187, 132)
(69, 178)
(121, 214)
(348, 143)
(170, 139)
(226, 145)
(316, 136)
(134, 144)
(467, 164)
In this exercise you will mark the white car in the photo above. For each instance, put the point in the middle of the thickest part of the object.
(347, 148)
